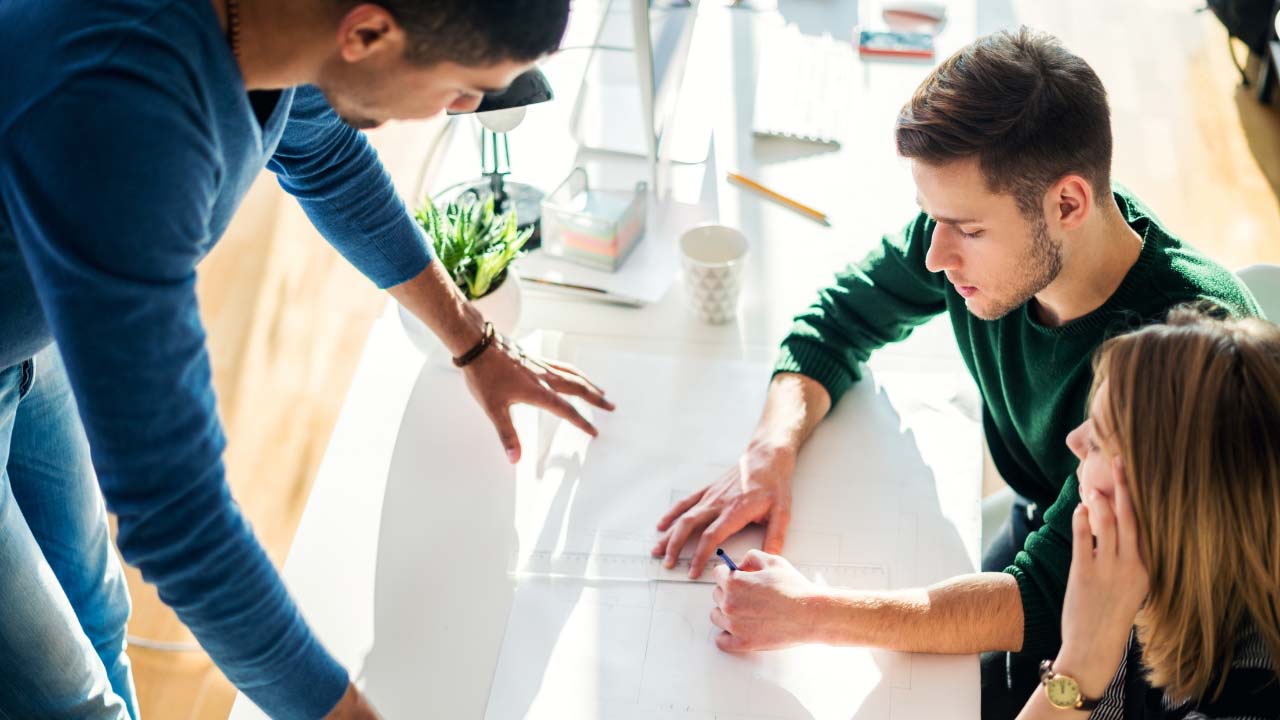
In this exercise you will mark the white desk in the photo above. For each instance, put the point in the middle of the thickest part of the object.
(400, 559)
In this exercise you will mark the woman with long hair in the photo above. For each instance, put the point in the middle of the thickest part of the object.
(1172, 608)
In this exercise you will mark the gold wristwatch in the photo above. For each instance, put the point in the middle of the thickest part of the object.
(1063, 691)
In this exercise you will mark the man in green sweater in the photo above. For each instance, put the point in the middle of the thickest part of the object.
(1036, 258)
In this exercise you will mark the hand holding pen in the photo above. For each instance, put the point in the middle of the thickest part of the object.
(764, 603)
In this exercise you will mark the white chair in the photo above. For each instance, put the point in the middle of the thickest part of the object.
(1263, 280)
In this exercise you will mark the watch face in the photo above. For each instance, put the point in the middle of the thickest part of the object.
(1063, 692)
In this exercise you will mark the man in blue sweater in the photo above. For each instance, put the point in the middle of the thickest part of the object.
(130, 130)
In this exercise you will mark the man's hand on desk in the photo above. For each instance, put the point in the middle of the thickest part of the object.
(504, 376)
(353, 706)
(756, 489)
(766, 604)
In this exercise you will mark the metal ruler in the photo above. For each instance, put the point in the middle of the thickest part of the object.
(618, 567)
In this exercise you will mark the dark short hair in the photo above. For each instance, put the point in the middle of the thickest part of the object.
(478, 32)
(1028, 109)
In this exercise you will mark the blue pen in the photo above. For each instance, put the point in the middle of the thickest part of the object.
(725, 557)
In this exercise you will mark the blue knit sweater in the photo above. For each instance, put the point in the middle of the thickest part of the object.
(127, 140)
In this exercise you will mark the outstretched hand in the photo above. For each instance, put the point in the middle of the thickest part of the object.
(756, 489)
(504, 376)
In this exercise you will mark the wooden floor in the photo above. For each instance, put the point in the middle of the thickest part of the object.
(287, 317)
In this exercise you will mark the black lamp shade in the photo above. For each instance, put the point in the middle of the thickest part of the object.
(529, 88)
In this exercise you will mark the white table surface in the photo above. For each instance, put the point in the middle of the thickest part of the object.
(419, 598)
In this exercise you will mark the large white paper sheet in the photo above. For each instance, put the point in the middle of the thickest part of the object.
(668, 437)
(595, 648)
(613, 651)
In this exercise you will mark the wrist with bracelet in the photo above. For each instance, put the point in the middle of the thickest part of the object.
(490, 337)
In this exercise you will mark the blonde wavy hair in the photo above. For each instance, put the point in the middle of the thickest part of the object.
(1195, 407)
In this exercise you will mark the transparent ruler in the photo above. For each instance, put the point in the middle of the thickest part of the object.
(643, 568)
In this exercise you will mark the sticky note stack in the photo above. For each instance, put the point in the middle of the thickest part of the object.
(596, 228)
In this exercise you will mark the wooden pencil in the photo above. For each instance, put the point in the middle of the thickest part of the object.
(778, 197)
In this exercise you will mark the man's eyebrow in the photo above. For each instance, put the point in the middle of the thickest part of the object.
(954, 221)
(945, 220)
(490, 90)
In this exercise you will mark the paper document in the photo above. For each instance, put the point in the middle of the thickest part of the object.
(598, 629)
(620, 650)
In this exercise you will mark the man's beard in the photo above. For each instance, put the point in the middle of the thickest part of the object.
(359, 122)
(1043, 262)
(341, 108)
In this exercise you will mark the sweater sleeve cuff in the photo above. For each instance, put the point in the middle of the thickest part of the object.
(806, 357)
(400, 255)
(1041, 626)
(310, 687)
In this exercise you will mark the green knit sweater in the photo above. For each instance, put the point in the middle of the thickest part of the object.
(1034, 379)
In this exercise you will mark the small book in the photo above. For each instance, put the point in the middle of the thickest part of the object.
(886, 43)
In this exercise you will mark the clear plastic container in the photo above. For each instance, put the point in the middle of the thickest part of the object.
(590, 226)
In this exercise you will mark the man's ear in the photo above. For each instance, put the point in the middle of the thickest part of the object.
(368, 30)
(1069, 202)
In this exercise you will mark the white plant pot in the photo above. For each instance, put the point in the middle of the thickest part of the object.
(500, 307)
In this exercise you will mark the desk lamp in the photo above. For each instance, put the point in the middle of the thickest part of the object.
(500, 113)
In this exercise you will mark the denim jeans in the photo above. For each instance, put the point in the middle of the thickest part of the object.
(63, 598)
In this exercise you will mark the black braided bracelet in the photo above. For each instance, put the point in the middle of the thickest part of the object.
(469, 356)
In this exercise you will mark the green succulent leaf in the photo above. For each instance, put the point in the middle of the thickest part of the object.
(487, 268)
(474, 244)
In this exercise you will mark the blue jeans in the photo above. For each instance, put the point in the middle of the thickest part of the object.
(63, 598)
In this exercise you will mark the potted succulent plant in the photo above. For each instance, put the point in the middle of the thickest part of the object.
(475, 246)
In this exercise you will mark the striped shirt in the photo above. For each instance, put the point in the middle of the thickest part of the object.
(1252, 690)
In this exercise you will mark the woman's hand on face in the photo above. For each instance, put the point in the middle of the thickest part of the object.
(1107, 587)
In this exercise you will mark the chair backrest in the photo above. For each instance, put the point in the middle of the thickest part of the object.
(1263, 280)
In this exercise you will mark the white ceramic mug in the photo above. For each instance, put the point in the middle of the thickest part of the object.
(712, 256)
